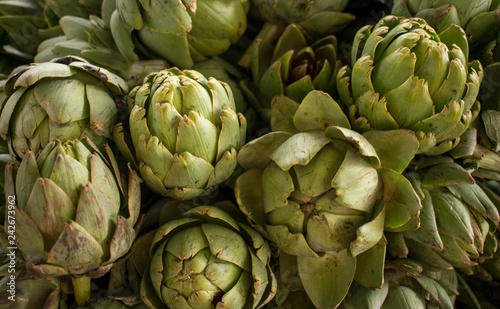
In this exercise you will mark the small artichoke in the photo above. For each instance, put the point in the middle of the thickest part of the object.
(65, 98)
(185, 133)
(405, 75)
(206, 259)
(293, 67)
(183, 32)
(75, 211)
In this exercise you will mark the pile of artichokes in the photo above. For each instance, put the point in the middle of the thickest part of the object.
(249, 154)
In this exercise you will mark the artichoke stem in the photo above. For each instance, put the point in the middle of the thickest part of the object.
(81, 287)
(269, 33)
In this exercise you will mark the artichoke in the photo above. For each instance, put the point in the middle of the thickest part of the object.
(65, 98)
(183, 32)
(456, 217)
(405, 75)
(292, 67)
(75, 211)
(206, 259)
(185, 133)
(325, 194)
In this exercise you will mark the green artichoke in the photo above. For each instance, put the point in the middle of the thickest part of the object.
(456, 217)
(75, 211)
(292, 67)
(183, 32)
(91, 40)
(405, 75)
(208, 260)
(65, 98)
(185, 133)
(325, 194)
(319, 17)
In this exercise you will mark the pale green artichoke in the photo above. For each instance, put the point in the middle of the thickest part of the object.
(325, 194)
(458, 217)
(206, 259)
(183, 32)
(65, 98)
(75, 211)
(185, 133)
(404, 75)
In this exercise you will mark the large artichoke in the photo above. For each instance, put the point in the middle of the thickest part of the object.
(206, 259)
(185, 133)
(75, 211)
(323, 193)
(183, 32)
(405, 75)
(65, 98)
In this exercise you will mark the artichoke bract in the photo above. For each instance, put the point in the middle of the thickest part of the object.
(75, 211)
(66, 98)
(405, 75)
(185, 133)
(208, 260)
(322, 192)
(183, 32)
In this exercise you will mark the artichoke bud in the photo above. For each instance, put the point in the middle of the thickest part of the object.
(66, 98)
(207, 258)
(407, 76)
(69, 197)
(294, 67)
(185, 132)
